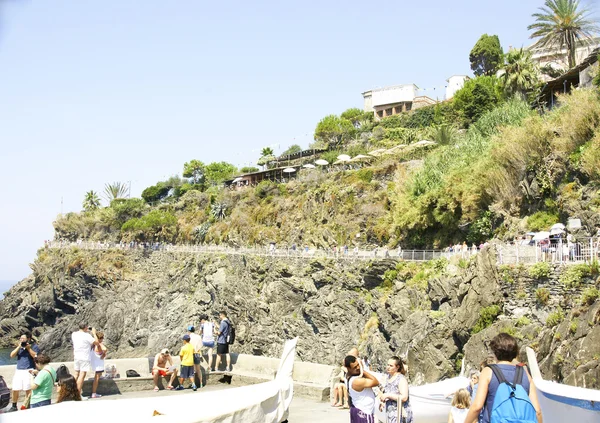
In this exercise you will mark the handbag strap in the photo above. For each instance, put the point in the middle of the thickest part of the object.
(51, 377)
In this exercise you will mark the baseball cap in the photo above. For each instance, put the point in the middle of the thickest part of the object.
(191, 328)
(186, 337)
(165, 351)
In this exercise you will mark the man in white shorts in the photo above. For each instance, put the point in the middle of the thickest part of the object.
(26, 352)
(83, 343)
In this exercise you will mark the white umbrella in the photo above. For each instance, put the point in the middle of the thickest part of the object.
(321, 162)
(541, 235)
(289, 170)
(556, 231)
(359, 158)
(309, 166)
(376, 152)
(557, 226)
(343, 158)
(338, 162)
(236, 180)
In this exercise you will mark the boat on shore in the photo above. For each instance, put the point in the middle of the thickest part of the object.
(266, 402)
(563, 403)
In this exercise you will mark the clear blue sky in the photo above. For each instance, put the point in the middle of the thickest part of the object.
(128, 90)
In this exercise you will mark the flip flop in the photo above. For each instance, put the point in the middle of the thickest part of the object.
(156, 389)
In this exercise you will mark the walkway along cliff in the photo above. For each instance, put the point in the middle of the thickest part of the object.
(435, 312)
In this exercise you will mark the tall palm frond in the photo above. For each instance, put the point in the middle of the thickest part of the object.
(115, 190)
(91, 201)
(519, 74)
(563, 24)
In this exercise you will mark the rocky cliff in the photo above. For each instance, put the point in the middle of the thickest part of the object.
(435, 313)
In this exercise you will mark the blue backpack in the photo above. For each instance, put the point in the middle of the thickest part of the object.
(512, 404)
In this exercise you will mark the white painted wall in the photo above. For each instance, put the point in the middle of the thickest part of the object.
(455, 83)
(395, 94)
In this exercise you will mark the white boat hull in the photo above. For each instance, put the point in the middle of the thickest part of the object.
(564, 403)
(265, 402)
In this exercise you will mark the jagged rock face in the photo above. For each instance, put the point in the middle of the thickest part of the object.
(144, 300)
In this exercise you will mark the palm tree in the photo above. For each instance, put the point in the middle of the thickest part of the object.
(519, 75)
(563, 23)
(91, 201)
(267, 151)
(114, 191)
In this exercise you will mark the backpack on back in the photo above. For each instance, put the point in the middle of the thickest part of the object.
(231, 336)
(512, 404)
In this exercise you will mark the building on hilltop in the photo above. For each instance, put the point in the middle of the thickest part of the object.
(455, 83)
(388, 101)
(557, 59)
(579, 77)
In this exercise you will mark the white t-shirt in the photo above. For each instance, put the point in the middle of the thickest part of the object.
(459, 414)
(82, 345)
(208, 332)
(196, 341)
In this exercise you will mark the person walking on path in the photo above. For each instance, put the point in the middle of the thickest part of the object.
(196, 341)
(506, 349)
(187, 363)
(360, 385)
(41, 389)
(83, 343)
(223, 341)
(97, 362)
(25, 352)
(208, 339)
(163, 366)
(396, 390)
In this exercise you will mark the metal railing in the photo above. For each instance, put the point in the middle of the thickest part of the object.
(554, 252)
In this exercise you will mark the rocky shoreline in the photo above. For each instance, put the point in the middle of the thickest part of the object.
(435, 313)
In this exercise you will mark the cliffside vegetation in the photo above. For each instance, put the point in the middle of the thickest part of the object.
(510, 171)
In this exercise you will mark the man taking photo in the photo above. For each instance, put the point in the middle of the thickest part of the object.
(25, 352)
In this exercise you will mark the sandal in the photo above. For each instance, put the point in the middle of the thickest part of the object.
(170, 388)
(156, 389)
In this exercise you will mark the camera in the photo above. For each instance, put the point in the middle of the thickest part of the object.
(23, 344)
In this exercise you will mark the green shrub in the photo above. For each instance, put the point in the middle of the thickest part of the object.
(542, 295)
(573, 327)
(541, 221)
(156, 192)
(477, 96)
(572, 276)
(365, 175)
(555, 318)
(487, 315)
(506, 273)
(158, 225)
(540, 270)
(265, 188)
(127, 208)
(523, 321)
(589, 296)
(437, 314)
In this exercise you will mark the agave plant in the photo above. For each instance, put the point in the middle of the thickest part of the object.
(219, 210)
(115, 190)
(444, 134)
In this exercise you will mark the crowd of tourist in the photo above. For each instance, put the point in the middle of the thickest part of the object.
(37, 379)
(502, 390)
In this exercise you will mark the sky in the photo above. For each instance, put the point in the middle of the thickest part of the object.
(129, 90)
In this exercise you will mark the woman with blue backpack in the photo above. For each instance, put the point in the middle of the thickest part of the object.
(506, 391)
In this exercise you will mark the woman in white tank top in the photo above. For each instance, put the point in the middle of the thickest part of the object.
(360, 391)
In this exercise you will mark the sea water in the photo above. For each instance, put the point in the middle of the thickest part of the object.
(5, 357)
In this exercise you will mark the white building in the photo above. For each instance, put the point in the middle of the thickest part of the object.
(557, 58)
(388, 101)
(455, 83)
